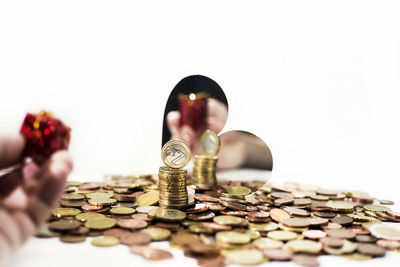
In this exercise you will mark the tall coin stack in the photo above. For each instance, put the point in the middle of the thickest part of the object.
(204, 167)
(172, 177)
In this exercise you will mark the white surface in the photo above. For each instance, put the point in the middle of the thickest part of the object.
(318, 81)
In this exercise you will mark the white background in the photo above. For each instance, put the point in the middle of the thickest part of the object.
(318, 81)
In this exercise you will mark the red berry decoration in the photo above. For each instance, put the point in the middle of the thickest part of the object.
(44, 135)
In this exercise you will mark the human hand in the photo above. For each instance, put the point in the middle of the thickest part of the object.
(28, 195)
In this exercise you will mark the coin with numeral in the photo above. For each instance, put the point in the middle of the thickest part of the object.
(175, 154)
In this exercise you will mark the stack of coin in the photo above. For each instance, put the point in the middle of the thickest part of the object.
(204, 167)
(172, 178)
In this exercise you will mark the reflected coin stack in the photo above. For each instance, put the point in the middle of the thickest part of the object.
(204, 167)
(172, 177)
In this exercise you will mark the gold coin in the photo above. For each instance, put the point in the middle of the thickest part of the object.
(100, 223)
(209, 143)
(175, 154)
(357, 257)
(100, 195)
(170, 215)
(148, 199)
(232, 237)
(83, 217)
(348, 247)
(282, 235)
(263, 243)
(376, 208)
(122, 211)
(383, 231)
(305, 246)
(102, 201)
(157, 234)
(227, 220)
(146, 209)
(239, 190)
(253, 234)
(263, 227)
(340, 205)
(72, 196)
(245, 256)
(65, 212)
(105, 241)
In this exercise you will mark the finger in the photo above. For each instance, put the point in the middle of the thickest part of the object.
(173, 122)
(17, 200)
(188, 134)
(9, 182)
(11, 149)
(217, 114)
(6, 253)
(52, 177)
(9, 228)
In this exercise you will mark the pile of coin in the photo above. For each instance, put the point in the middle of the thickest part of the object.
(172, 177)
(204, 166)
(236, 222)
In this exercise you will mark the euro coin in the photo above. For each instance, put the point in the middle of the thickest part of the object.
(175, 154)
(209, 143)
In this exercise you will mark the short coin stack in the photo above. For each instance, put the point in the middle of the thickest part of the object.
(204, 167)
(172, 178)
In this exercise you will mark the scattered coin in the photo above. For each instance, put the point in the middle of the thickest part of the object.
(105, 241)
(72, 238)
(65, 212)
(296, 222)
(157, 234)
(245, 256)
(278, 215)
(136, 238)
(306, 260)
(122, 211)
(100, 223)
(64, 225)
(148, 199)
(116, 232)
(277, 254)
(314, 234)
(132, 224)
(371, 250)
(385, 232)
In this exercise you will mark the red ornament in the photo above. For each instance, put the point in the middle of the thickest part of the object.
(193, 109)
(44, 135)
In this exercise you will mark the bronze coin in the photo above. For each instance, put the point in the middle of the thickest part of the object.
(87, 207)
(371, 250)
(198, 208)
(277, 254)
(365, 239)
(263, 207)
(296, 222)
(138, 249)
(238, 213)
(360, 198)
(215, 227)
(142, 216)
(284, 201)
(388, 244)
(297, 212)
(173, 227)
(317, 221)
(184, 239)
(73, 203)
(251, 208)
(201, 217)
(276, 195)
(301, 202)
(138, 194)
(258, 214)
(116, 232)
(233, 206)
(136, 238)
(155, 254)
(90, 186)
(386, 202)
(306, 260)
(331, 242)
(133, 224)
(319, 198)
(341, 233)
(203, 249)
(393, 214)
(72, 238)
(359, 230)
(206, 198)
(124, 198)
(216, 207)
(342, 220)
(211, 261)
(278, 215)
(314, 234)
(121, 190)
(95, 233)
(80, 231)
(331, 226)
(324, 214)
(64, 225)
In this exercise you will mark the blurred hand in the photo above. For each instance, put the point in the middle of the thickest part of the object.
(28, 195)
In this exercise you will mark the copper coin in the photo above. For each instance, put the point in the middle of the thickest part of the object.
(138, 249)
(314, 234)
(324, 214)
(136, 238)
(284, 201)
(277, 195)
(306, 260)
(277, 254)
(393, 214)
(73, 203)
(91, 186)
(318, 221)
(116, 232)
(251, 208)
(87, 207)
(371, 250)
(238, 213)
(216, 207)
(342, 220)
(341, 233)
(319, 198)
(121, 190)
(203, 249)
(365, 239)
(142, 216)
(278, 215)
(296, 222)
(211, 261)
(206, 198)
(233, 206)
(331, 242)
(388, 244)
(201, 217)
(215, 227)
(72, 238)
(124, 198)
(173, 227)
(64, 225)
(386, 202)
(183, 239)
(301, 202)
(360, 198)
(95, 233)
(359, 230)
(80, 231)
(133, 224)
(331, 226)
(155, 254)
(198, 208)
(297, 212)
